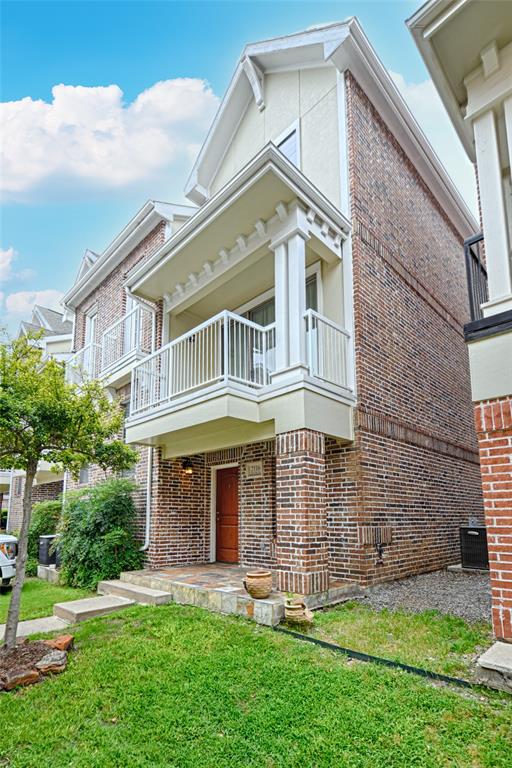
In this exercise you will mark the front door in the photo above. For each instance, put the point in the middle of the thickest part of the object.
(227, 515)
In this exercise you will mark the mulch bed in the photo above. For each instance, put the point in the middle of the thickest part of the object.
(29, 661)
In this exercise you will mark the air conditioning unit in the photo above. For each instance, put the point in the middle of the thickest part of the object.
(473, 548)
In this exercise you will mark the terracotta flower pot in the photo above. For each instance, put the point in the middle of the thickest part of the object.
(297, 612)
(258, 584)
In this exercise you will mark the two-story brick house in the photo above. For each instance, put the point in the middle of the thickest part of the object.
(290, 347)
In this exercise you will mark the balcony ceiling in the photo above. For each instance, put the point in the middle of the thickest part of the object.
(230, 217)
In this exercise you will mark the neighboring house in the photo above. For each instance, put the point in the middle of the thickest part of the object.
(467, 47)
(290, 352)
(55, 341)
(57, 332)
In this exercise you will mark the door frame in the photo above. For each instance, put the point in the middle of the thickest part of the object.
(213, 507)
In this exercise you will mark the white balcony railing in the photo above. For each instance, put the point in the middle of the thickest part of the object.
(84, 364)
(230, 348)
(327, 349)
(225, 348)
(131, 335)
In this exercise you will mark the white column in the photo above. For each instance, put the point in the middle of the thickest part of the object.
(493, 206)
(296, 300)
(281, 305)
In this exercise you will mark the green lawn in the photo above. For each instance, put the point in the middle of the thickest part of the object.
(38, 598)
(176, 686)
(429, 640)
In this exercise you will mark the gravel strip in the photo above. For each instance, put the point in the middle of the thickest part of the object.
(467, 595)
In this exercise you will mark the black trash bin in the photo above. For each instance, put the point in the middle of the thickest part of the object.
(45, 556)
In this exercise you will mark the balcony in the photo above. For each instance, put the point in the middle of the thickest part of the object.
(224, 370)
(476, 275)
(227, 349)
(125, 342)
(84, 364)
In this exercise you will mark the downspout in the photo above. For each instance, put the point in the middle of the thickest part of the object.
(149, 481)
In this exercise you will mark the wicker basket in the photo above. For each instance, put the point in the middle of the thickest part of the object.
(258, 584)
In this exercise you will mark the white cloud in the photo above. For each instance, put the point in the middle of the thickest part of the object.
(7, 272)
(21, 303)
(6, 258)
(427, 107)
(89, 136)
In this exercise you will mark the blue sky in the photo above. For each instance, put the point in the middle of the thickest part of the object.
(64, 190)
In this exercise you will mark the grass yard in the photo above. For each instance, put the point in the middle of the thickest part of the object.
(176, 686)
(429, 640)
(38, 598)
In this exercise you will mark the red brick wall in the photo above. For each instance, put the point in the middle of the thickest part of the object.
(180, 517)
(493, 421)
(109, 298)
(181, 508)
(414, 465)
(301, 547)
(43, 492)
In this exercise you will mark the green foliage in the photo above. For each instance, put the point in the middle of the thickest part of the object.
(97, 538)
(41, 414)
(44, 521)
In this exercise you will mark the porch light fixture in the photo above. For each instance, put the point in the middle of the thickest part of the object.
(187, 467)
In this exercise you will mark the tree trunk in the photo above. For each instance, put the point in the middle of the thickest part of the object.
(13, 614)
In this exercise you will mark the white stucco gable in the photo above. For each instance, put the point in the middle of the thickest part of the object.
(277, 82)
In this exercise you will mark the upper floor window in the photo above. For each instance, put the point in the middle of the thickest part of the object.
(289, 143)
(90, 329)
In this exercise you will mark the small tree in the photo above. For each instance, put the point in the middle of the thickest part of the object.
(42, 416)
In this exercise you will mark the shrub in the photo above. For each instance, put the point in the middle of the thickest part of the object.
(44, 522)
(97, 538)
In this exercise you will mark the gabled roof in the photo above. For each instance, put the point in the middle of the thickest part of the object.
(52, 320)
(344, 46)
(48, 320)
(153, 212)
(88, 260)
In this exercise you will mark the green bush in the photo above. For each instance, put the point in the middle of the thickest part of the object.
(44, 522)
(97, 538)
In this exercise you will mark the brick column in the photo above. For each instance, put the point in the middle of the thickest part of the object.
(301, 546)
(494, 428)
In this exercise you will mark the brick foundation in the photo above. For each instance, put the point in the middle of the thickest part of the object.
(493, 421)
(301, 546)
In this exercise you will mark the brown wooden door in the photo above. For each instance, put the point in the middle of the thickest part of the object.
(227, 515)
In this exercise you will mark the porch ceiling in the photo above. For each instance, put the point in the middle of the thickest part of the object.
(233, 226)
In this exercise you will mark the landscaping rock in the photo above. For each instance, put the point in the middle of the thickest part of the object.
(18, 677)
(53, 663)
(29, 661)
(61, 643)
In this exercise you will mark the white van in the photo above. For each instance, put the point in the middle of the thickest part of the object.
(8, 550)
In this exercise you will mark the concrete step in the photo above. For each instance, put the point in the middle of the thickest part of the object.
(140, 594)
(90, 608)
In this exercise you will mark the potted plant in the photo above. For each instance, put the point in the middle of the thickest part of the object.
(258, 584)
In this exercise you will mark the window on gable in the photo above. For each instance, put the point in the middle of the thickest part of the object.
(289, 147)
